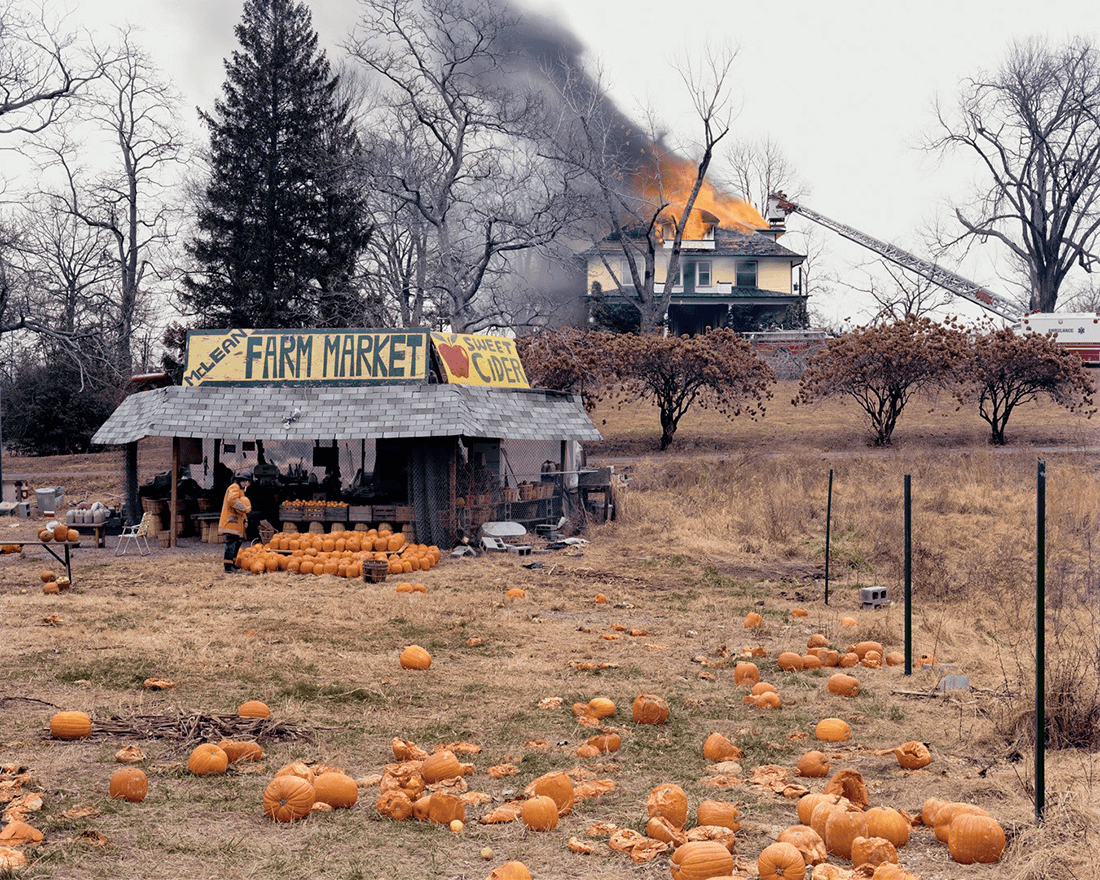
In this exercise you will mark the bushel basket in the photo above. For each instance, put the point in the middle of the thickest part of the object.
(375, 570)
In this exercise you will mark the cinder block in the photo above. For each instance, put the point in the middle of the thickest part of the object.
(872, 597)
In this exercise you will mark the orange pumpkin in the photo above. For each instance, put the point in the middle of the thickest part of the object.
(913, 755)
(832, 730)
(841, 829)
(746, 674)
(781, 861)
(873, 851)
(670, 802)
(70, 725)
(445, 808)
(540, 813)
(813, 764)
(807, 841)
(335, 789)
(440, 766)
(889, 824)
(975, 838)
(843, 685)
(288, 797)
(128, 784)
(721, 813)
(789, 661)
(700, 860)
(415, 657)
(240, 750)
(601, 707)
(556, 785)
(254, 709)
(510, 871)
(207, 760)
(394, 804)
(649, 709)
(717, 747)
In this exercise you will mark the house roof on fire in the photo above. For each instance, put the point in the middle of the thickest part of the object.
(727, 242)
(347, 413)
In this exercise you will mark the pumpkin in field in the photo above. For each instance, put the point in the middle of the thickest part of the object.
(913, 755)
(515, 593)
(807, 841)
(781, 861)
(445, 808)
(975, 838)
(746, 674)
(841, 829)
(605, 743)
(241, 750)
(558, 786)
(440, 766)
(335, 789)
(48, 576)
(832, 730)
(254, 709)
(207, 760)
(947, 815)
(873, 851)
(415, 657)
(394, 804)
(540, 813)
(813, 764)
(649, 709)
(510, 871)
(670, 802)
(789, 661)
(51, 588)
(849, 784)
(753, 619)
(889, 824)
(299, 769)
(128, 784)
(806, 804)
(70, 725)
(843, 685)
(717, 747)
(799, 612)
(287, 798)
(817, 640)
(601, 707)
(701, 860)
(720, 813)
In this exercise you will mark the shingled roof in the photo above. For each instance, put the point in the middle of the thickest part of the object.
(347, 413)
(737, 242)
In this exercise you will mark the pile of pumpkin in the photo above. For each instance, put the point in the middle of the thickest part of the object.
(339, 553)
(58, 531)
(52, 584)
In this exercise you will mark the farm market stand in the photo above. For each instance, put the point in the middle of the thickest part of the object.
(441, 431)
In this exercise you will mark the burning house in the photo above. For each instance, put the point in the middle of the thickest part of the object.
(732, 269)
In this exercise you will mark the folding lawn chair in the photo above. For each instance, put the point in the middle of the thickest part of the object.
(137, 534)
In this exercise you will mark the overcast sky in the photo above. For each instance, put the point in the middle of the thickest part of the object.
(847, 87)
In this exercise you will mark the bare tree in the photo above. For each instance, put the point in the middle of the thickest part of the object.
(41, 67)
(758, 168)
(129, 205)
(1034, 127)
(459, 155)
(644, 190)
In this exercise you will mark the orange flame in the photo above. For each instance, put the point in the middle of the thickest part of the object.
(671, 184)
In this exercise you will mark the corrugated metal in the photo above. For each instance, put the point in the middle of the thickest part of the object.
(346, 413)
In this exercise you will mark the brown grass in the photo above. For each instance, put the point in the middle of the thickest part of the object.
(731, 520)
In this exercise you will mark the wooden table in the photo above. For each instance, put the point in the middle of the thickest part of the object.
(99, 532)
(51, 549)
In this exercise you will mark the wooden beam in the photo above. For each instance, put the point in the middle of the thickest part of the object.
(173, 507)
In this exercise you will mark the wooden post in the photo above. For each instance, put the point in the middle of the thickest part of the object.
(131, 503)
(173, 507)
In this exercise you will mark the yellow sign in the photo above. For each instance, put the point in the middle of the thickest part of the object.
(310, 357)
(479, 360)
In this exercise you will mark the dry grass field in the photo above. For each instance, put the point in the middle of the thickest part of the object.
(730, 520)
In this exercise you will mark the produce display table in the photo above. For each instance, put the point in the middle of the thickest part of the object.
(51, 548)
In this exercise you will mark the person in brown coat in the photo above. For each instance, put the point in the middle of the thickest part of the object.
(234, 518)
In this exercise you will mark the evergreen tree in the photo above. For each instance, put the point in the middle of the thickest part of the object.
(281, 227)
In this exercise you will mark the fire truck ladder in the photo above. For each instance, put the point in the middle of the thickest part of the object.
(779, 207)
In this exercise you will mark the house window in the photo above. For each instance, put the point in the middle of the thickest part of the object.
(625, 278)
(702, 273)
(746, 273)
